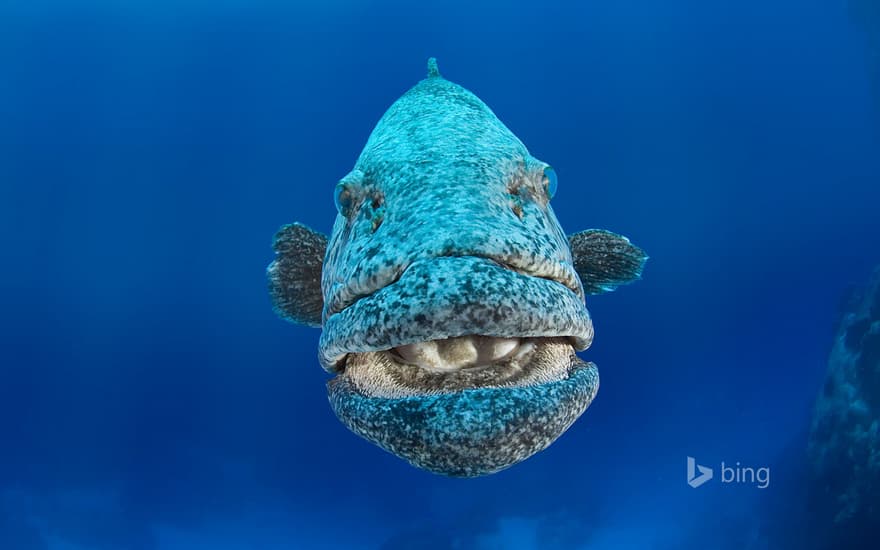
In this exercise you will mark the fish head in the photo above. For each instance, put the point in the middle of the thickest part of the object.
(452, 309)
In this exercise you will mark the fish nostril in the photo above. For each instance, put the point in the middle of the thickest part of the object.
(378, 214)
(516, 204)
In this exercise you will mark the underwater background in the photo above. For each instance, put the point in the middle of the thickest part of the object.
(151, 399)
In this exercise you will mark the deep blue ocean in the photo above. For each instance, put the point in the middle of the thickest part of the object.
(151, 399)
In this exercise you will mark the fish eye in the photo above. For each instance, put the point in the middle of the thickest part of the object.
(550, 181)
(342, 198)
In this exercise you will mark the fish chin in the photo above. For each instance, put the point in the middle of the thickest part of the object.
(470, 422)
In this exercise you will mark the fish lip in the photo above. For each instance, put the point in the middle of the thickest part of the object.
(451, 296)
(565, 275)
(471, 432)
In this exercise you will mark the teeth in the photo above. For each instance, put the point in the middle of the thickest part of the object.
(463, 352)
(419, 354)
(458, 352)
(499, 348)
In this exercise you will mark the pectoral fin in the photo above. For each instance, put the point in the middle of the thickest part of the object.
(605, 260)
(295, 275)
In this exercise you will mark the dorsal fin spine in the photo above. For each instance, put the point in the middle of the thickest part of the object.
(433, 70)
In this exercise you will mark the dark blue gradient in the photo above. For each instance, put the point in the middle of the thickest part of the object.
(150, 399)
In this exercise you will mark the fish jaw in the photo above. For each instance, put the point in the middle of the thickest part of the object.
(455, 296)
(476, 420)
(472, 432)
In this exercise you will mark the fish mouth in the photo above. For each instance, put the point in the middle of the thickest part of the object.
(449, 297)
(456, 364)
(462, 366)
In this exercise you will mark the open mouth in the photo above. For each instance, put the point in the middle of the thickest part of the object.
(446, 298)
(455, 364)
(462, 366)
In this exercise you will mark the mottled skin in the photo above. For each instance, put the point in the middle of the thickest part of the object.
(452, 180)
(453, 296)
(470, 432)
(445, 229)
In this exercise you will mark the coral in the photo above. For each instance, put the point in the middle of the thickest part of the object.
(844, 447)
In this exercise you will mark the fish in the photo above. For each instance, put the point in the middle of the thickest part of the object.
(451, 303)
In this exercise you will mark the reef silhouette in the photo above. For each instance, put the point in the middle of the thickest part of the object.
(844, 445)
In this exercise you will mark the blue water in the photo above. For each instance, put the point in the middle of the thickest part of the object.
(149, 397)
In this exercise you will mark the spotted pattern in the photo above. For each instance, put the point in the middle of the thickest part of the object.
(445, 229)
(455, 296)
(295, 275)
(447, 171)
(471, 432)
(605, 260)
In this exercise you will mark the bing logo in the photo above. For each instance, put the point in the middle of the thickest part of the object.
(759, 477)
(693, 479)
